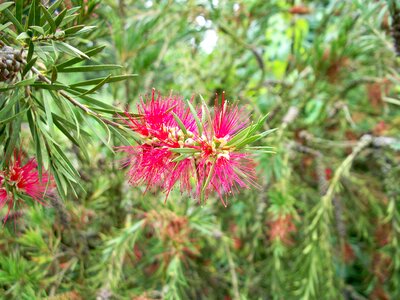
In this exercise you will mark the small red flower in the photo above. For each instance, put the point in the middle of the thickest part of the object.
(22, 179)
(281, 228)
(328, 173)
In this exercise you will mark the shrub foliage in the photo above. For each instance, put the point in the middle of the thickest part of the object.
(325, 221)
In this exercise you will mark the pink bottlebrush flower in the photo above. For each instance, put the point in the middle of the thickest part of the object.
(3, 197)
(23, 179)
(225, 174)
(156, 121)
(147, 164)
(228, 119)
(151, 162)
(177, 146)
(220, 167)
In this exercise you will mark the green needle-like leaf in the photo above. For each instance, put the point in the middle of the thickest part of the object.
(11, 17)
(93, 68)
(196, 118)
(5, 5)
(180, 123)
(49, 19)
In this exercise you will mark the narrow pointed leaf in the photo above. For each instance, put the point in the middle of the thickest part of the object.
(49, 19)
(68, 49)
(73, 29)
(196, 118)
(95, 88)
(29, 66)
(10, 118)
(60, 17)
(11, 17)
(180, 123)
(18, 9)
(183, 150)
(90, 68)
(5, 5)
(75, 60)
(37, 29)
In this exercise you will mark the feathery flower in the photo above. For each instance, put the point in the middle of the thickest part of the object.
(228, 119)
(22, 179)
(151, 163)
(156, 121)
(220, 167)
(225, 174)
(178, 147)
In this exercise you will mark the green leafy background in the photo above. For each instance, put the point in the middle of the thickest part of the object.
(325, 223)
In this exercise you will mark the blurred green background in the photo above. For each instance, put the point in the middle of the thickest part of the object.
(326, 222)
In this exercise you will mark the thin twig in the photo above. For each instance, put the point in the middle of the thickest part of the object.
(376, 141)
(74, 101)
(252, 48)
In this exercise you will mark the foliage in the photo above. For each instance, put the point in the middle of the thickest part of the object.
(325, 223)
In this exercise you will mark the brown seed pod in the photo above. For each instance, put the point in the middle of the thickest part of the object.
(10, 64)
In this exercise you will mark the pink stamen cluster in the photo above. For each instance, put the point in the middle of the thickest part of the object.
(22, 179)
(178, 147)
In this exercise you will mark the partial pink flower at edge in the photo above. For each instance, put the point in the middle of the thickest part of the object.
(25, 180)
(4, 199)
(3, 194)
